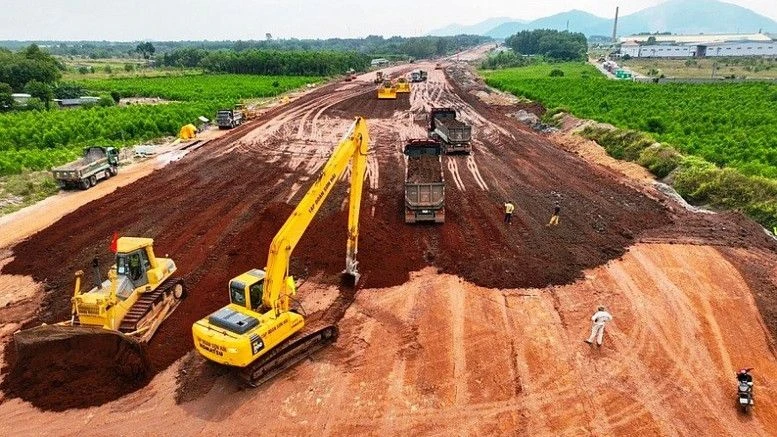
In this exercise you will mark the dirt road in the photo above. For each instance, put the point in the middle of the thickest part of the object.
(486, 339)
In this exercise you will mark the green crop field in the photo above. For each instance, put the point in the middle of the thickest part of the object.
(733, 124)
(38, 140)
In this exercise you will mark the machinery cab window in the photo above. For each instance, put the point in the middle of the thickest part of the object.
(237, 293)
(256, 294)
(134, 266)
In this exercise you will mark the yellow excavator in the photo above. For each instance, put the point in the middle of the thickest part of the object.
(258, 332)
(387, 90)
(139, 294)
(403, 86)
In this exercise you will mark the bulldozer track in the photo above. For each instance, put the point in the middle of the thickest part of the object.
(283, 357)
(145, 303)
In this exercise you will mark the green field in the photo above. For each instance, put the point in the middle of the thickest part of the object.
(731, 124)
(38, 140)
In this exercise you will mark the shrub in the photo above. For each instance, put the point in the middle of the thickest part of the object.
(660, 159)
(556, 73)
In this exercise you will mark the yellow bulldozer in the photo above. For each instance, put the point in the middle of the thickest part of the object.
(403, 86)
(139, 294)
(258, 332)
(387, 90)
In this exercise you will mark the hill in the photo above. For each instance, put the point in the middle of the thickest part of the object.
(480, 28)
(676, 16)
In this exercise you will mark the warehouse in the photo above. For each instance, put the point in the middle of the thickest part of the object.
(701, 50)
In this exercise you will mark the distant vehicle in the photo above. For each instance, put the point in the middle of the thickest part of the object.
(418, 76)
(229, 118)
(444, 126)
(424, 75)
(97, 163)
(424, 182)
(378, 78)
(438, 66)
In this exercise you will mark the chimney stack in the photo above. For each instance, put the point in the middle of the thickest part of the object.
(615, 27)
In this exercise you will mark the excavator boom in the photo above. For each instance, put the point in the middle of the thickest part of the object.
(258, 332)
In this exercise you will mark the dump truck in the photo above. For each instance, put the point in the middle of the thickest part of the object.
(454, 134)
(424, 182)
(418, 76)
(97, 163)
(229, 118)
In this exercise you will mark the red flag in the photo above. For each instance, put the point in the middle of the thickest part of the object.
(115, 242)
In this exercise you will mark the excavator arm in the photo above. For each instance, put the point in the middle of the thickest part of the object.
(352, 149)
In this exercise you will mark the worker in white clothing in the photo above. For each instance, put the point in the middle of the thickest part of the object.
(599, 319)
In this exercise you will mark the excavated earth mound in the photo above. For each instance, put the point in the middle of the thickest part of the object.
(57, 368)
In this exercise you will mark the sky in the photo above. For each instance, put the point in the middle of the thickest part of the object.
(133, 20)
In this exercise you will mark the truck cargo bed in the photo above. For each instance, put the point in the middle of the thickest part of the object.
(424, 169)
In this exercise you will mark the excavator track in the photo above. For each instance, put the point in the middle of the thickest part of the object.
(146, 303)
(285, 356)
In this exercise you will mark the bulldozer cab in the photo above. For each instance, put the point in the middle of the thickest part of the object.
(134, 266)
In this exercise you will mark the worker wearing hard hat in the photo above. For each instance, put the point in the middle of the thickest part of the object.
(599, 319)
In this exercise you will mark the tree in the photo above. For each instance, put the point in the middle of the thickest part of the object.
(116, 96)
(39, 90)
(651, 41)
(68, 90)
(550, 43)
(146, 49)
(6, 98)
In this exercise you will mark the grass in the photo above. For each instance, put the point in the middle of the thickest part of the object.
(18, 191)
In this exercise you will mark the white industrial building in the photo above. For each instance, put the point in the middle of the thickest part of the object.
(761, 47)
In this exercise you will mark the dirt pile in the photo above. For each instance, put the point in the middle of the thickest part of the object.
(368, 105)
(57, 369)
(424, 168)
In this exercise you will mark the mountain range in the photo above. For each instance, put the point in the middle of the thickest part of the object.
(675, 16)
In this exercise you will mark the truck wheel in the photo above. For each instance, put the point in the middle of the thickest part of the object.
(93, 180)
(84, 184)
(114, 170)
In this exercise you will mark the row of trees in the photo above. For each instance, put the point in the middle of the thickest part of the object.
(417, 47)
(274, 62)
(552, 44)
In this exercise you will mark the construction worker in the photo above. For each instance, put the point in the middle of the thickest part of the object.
(599, 319)
(509, 208)
(554, 218)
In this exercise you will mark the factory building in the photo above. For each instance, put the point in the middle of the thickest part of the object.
(708, 46)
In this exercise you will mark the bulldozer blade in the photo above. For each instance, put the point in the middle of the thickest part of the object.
(81, 348)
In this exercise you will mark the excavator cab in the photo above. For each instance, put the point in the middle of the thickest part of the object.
(387, 90)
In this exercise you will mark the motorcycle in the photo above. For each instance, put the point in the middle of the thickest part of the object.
(745, 395)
